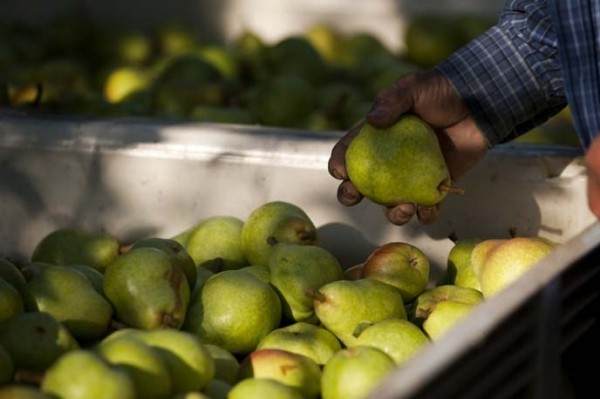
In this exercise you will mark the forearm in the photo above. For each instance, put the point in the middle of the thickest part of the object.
(510, 77)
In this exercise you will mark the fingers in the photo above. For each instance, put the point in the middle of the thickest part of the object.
(347, 194)
(337, 161)
(428, 214)
(391, 103)
(400, 214)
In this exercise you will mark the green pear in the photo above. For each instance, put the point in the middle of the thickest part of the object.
(511, 259)
(7, 366)
(202, 274)
(342, 305)
(298, 269)
(263, 388)
(296, 55)
(226, 364)
(70, 297)
(259, 271)
(11, 303)
(292, 369)
(459, 269)
(77, 246)
(124, 81)
(191, 395)
(273, 222)
(218, 389)
(93, 275)
(354, 272)
(401, 163)
(234, 310)
(352, 373)
(177, 253)
(480, 252)
(425, 303)
(303, 338)
(216, 244)
(83, 374)
(35, 340)
(444, 316)
(190, 364)
(11, 274)
(399, 338)
(144, 365)
(21, 391)
(401, 265)
(146, 289)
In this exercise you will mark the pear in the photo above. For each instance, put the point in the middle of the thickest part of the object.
(296, 55)
(141, 362)
(69, 297)
(398, 164)
(274, 222)
(226, 364)
(234, 310)
(21, 391)
(354, 272)
(399, 338)
(123, 81)
(191, 395)
(352, 373)
(190, 364)
(263, 388)
(260, 271)
(11, 274)
(202, 274)
(401, 265)
(77, 246)
(342, 305)
(216, 244)
(177, 253)
(459, 270)
(303, 338)
(93, 275)
(146, 289)
(425, 303)
(292, 369)
(11, 303)
(35, 340)
(444, 316)
(298, 269)
(479, 254)
(218, 389)
(511, 259)
(7, 366)
(83, 374)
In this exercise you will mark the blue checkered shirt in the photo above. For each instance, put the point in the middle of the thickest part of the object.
(539, 57)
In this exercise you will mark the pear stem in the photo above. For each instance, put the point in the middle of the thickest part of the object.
(449, 189)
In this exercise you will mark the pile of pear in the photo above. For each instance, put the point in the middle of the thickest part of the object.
(233, 308)
(318, 79)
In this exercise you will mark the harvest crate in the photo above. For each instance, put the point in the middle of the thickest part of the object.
(136, 177)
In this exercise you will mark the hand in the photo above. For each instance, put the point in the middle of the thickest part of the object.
(430, 96)
(592, 162)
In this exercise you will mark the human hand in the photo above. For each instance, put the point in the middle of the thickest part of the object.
(592, 163)
(430, 96)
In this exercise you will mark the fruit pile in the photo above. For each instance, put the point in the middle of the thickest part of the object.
(320, 79)
(232, 308)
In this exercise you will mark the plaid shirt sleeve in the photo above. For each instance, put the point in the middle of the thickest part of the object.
(510, 77)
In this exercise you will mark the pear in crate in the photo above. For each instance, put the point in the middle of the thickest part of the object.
(292, 369)
(7, 366)
(77, 246)
(226, 364)
(263, 388)
(399, 338)
(341, 306)
(11, 303)
(69, 297)
(273, 222)
(480, 252)
(144, 365)
(352, 373)
(176, 252)
(259, 271)
(444, 316)
(508, 261)
(234, 310)
(93, 275)
(11, 274)
(35, 340)
(401, 265)
(190, 364)
(147, 290)
(297, 269)
(398, 164)
(21, 391)
(83, 374)
(425, 303)
(303, 338)
(218, 389)
(216, 243)
(459, 266)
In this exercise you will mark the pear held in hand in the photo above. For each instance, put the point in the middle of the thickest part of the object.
(399, 164)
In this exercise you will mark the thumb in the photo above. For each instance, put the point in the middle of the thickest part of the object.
(392, 102)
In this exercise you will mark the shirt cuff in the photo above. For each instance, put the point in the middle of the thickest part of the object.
(508, 86)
